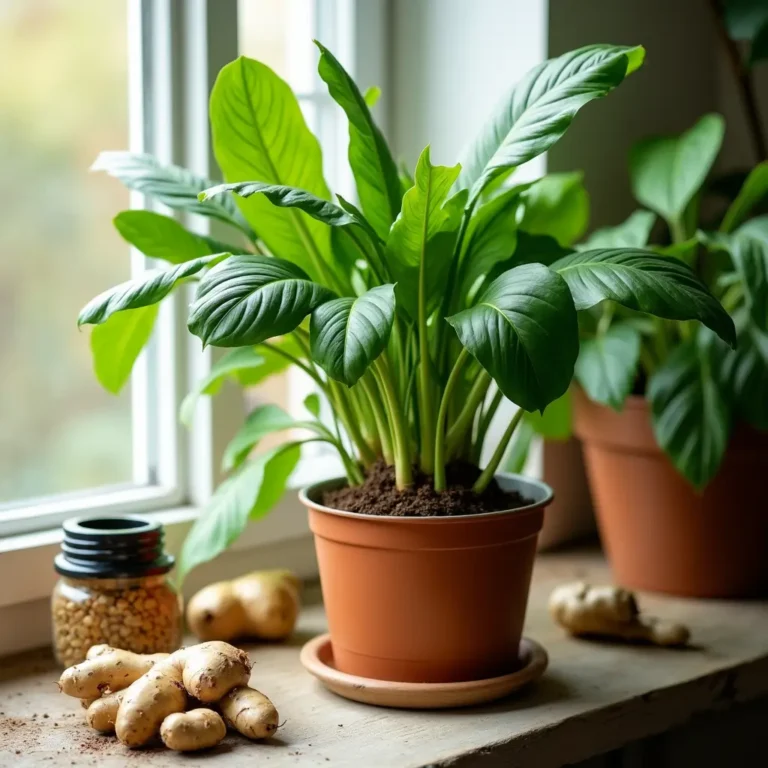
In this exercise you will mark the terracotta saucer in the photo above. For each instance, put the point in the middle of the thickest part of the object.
(317, 658)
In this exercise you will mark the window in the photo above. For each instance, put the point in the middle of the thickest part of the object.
(128, 73)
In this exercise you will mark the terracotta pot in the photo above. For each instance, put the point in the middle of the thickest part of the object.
(660, 534)
(435, 599)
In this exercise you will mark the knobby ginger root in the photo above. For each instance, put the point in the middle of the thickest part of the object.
(608, 611)
(104, 668)
(262, 604)
(249, 712)
(190, 731)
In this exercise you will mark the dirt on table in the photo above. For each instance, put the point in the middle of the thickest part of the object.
(378, 495)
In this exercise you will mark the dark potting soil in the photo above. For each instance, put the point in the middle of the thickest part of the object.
(379, 496)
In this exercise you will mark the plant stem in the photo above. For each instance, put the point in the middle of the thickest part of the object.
(426, 401)
(403, 472)
(368, 383)
(677, 230)
(487, 474)
(295, 360)
(485, 421)
(605, 318)
(466, 416)
(746, 85)
(450, 385)
(340, 404)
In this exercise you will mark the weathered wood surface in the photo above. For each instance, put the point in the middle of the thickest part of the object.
(595, 697)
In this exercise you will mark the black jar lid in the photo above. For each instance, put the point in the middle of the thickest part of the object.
(98, 547)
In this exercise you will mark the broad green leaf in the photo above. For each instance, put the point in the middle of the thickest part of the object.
(153, 286)
(746, 372)
(421, 240)
(750, 255)
(248, 299)
(754, 189)
(116, 344)
(170, 185)
(347, 335)
(667, 171)
(607, 365)
(246, 366)
(372, 96)
(524, 333)
(491, 235)
(757, 228)
(643, 281)
(249, 494)
(541, 107)
(287, 197)
(162, 237)
(632, 233)
(555, 422)
(557, 205)
(261, 421)
(375, 172)
(689, 413)
(260, 133)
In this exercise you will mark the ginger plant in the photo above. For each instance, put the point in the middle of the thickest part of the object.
(415, 313)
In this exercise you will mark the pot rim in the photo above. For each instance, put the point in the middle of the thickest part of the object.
(530, 484)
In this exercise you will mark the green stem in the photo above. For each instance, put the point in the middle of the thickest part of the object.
(403, 472)
(485, 422)
(450, 385)
(466, 416)
(295, 360)
(487, 474)
(677, 230)
(426, 401)
(340, 404)
(605, 318)
(371, 389)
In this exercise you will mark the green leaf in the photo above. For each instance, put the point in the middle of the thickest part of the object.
(162, 237)
(632, 233)
(116, 344)
(754, 189)
(170, 185)
(260, 133)
(372, 96)
(525, 334)
(744, 18)
(750, 255)
(249, 494)
(689, 413)
(557, 205)
(746, 373)
(249, 299)
(153, 286)
(261, 421)
(759, 49)
(555, 422)
(757, 228)
(667, 171)
(347, 335)
(375, 172)
(541, 107)
(246, 366)
(287, 197)
(646, 282)
(312, 404)
(424, 231)
(607, 365)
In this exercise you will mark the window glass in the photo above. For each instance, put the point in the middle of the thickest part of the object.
(63, 98)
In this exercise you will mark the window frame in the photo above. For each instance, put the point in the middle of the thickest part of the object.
(178, 47)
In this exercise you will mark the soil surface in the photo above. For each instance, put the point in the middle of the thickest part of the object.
(379, 496)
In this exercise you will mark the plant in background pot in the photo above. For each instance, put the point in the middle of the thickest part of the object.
(414, 314)
(674, 422)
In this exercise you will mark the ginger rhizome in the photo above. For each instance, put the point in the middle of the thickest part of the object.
(611, 612)
(140, 697)
(263, 605)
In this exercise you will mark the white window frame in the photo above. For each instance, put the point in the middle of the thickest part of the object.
(183, 44)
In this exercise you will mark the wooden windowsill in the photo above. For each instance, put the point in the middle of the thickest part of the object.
(595, 697)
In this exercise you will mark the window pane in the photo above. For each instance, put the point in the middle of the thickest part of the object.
(279, 33)
(63, 99)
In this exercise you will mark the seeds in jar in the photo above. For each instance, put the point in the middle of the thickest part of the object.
(142, 619)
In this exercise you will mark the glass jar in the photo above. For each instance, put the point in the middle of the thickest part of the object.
(114, 589)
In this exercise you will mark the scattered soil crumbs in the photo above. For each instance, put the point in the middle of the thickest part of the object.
(379, 496)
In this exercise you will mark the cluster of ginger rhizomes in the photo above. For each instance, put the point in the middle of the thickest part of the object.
(142, 615)
(187, 697)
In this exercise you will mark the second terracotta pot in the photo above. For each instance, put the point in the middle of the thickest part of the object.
(434, 599)
(659, 533)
